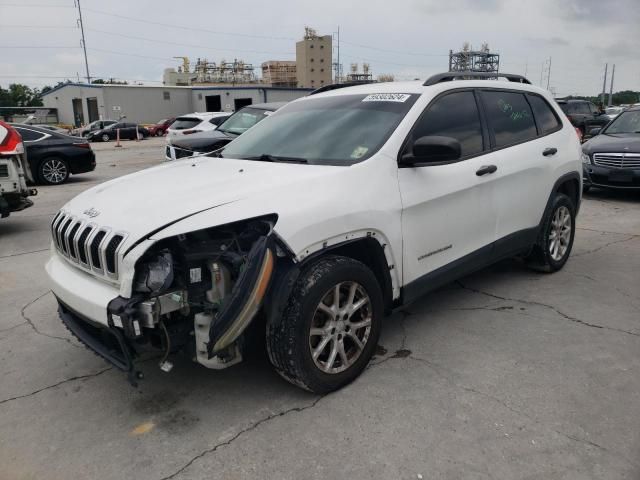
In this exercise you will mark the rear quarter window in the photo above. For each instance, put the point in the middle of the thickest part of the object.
(546, 118)
(184, 123)
(509, 116)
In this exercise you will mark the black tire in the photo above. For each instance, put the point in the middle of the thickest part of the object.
(105, 137)
(288, 338)
(541, 258)
(586, 188)
(53, 171)
(159, 133)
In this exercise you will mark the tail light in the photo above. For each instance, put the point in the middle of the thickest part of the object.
(10, 140)
(189, 132)
(82, 145)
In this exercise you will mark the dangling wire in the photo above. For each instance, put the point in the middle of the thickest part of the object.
(168, 342)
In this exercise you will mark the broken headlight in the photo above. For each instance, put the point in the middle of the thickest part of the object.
(155, 275)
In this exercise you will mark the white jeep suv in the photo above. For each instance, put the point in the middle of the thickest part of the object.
(337, 209)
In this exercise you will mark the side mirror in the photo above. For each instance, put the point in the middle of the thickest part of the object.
(594, 131)
(433, 149)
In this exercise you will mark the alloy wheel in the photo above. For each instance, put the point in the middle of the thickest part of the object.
(340, 327)
(560, 234)
(54, 171)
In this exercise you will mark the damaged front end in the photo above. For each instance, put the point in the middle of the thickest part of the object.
(196, 294)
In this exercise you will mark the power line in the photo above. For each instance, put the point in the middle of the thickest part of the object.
(39, 27)
(187, 27)
(39, 5)
(190, 45)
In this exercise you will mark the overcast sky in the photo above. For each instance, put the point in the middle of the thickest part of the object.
(407, 38)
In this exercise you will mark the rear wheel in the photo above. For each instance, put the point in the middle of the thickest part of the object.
(330, 327)
(105, 137)
(555, 239)
(159, 133)
(53, 171)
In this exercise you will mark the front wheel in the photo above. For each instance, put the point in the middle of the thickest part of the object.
(105, 137)
(159, 133)
(330, 327)
(555, 239)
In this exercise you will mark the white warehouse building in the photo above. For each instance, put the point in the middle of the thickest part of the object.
(81, 103)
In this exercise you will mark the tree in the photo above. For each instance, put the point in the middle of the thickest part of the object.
(18, 95)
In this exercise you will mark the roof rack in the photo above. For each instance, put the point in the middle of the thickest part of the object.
(335, 86)
(468, 75)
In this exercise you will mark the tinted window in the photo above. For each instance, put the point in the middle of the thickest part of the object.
(545, 117)
(510, 117)
(29, 135)
(582, 107)
(455, 115)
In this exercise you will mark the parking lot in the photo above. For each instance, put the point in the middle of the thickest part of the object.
(505, 374)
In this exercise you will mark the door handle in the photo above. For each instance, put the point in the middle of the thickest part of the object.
(486, 169)
(549, 151)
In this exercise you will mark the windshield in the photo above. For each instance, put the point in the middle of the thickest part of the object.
(243, 120)
(335, 130)
(626, 122)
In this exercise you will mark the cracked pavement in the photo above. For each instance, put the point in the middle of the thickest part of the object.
(507, 373)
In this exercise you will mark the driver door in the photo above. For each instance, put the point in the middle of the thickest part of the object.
(449, 214)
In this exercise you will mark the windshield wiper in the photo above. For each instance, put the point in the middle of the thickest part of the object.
(265, 157)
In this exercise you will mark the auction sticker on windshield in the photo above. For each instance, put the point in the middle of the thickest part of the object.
(386, 97)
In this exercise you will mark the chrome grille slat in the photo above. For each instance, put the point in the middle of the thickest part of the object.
(89, 246)
(617, 160)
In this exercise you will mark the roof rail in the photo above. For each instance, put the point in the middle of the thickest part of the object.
(335, 86)
(468, 75)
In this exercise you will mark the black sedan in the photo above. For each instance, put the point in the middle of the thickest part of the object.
(235, 125)
(54, 156)
(128, 131)
(611, 159)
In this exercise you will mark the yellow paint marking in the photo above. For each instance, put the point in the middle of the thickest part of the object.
(143, 428)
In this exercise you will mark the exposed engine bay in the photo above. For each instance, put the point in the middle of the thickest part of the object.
(197, 293)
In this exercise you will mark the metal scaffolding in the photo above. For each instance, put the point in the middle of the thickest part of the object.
(472, 60)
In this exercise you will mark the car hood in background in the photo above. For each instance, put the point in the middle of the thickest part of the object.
(203, 143)
(620, 142)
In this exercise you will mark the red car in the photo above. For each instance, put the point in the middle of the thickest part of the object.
(160, 128)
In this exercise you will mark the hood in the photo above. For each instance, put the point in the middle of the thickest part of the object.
(615, 143)
(214, 138)
(149, 200)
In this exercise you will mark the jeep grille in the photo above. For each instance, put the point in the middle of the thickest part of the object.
(89, 246)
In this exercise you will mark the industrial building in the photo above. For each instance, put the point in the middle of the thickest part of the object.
(81, 103)
(314, 60)
(470, 60)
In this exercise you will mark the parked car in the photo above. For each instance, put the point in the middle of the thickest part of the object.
(160, 128)
(582, 114)
(324, 217)
(53, 157)
(611, 159)
(14, 173)
(195, 125)
(53, 128)
(128, 131)
(92, 127)
(234, 125)
(613, 112)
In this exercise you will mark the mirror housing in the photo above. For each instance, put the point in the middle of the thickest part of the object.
(594, 131)
(432, 149)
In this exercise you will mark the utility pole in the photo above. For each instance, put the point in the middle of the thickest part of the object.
(604, 84)
(613, 72)
(549, 74)
(84, 44)
(337, 64)
(541, 73)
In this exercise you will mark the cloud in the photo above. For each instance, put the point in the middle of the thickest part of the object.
(549, 42)
(600, 12)
(622, 49)
(437, 7)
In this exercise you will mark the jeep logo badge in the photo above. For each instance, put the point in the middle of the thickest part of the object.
(92, 212)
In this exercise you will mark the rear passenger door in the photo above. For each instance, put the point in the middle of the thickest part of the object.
(448, 210)
(523, 131)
